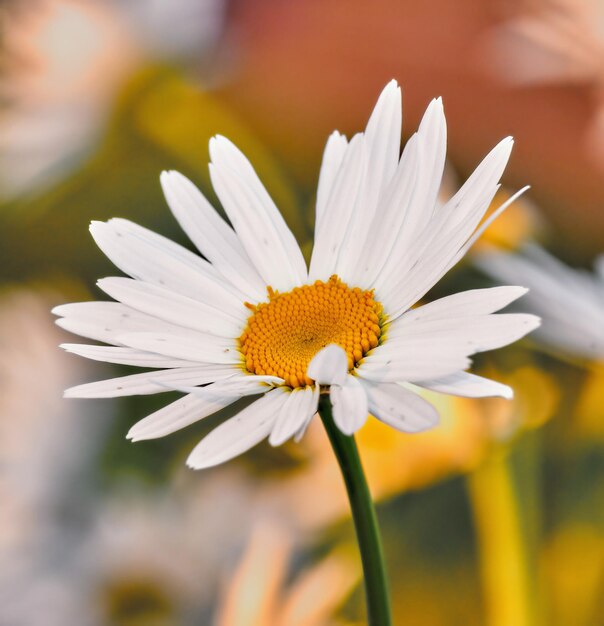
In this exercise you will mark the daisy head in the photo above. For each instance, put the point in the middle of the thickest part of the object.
(247, 317)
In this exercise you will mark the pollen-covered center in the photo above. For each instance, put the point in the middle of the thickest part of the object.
(284, 334)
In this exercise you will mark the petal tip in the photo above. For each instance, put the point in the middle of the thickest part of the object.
(96, 226)
(136, 434)
(507, 393)
(195, 464)
(329, 365)
(534, 322)
(275, 441)
(507, 142)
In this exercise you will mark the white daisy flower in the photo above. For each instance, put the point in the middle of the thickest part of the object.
(250, 319)
(571, 301)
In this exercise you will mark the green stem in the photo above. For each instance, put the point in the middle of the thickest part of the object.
(363, 514)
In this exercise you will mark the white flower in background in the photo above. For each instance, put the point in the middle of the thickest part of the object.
(64, 65)
(59, 99)
(195, 26)
(557, 42)
(571, 301)
(252, 319)
(45, 452)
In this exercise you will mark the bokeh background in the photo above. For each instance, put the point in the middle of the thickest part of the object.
(496, 518)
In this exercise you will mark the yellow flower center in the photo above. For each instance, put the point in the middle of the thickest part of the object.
(284, 334)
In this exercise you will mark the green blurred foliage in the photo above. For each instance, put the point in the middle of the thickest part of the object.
(160, 122)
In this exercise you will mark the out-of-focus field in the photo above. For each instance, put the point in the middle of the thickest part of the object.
(496, 518)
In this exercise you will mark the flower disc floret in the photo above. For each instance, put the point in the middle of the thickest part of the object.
(285, 333)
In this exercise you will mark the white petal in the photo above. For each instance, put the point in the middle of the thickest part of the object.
(417, 266)
(181, 413)
(587, 291)
(301, 404)
(125, 356)
(400, 408)
(382, 140)
(441, 249)
(330, 232)
(452, 242)
(150, 382)
(570, 300)
(432, 134)
(427, 157)
(465, 335)
(349, 404)
(549, 280)
(329, 366)
(195, 347)
(237, 384)
(411, 350)
(431, 152)
(171, 307)
(472, 302)
(214, 238)
(486, 223)
(268, 241)
(484, 179)
(239, 433)
(335, 150)
(418, 362)
(425, 261)
(397, 211)
(147, 256)
(103, 321)
(302, 430)
(352, 237)
(468, 386)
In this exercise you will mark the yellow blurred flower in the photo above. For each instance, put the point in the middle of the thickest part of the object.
(397, 462)
(536, 397)
(573, 563)
(507, 575)
(394, 462)
(589, 410)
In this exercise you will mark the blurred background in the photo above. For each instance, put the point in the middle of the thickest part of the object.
(496, 518)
